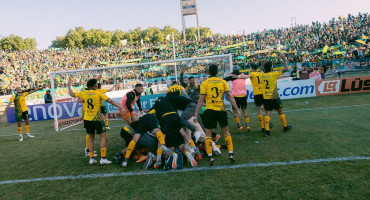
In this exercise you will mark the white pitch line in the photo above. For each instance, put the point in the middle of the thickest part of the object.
(245, 165)
(286, 111)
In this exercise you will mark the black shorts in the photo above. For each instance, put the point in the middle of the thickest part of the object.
(241, 102)
(272, 104)
(126, 136)
(211, 117)
(258, 100)
(93, 127)
(19, 116)
(146, 123)
(149, 142)
(170, 126)
(103, 110)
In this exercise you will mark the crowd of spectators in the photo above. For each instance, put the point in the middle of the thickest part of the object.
(27, 68)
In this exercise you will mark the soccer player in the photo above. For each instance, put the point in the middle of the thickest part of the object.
(21, 110)
(212, 90)
(239, 92)
(191, 89)
(177, 88)
(271, 96)
(257, 83)
(188, 108)
(128, 102)
(147, 123)
(171, 126)
(93, 117)
(103, 108)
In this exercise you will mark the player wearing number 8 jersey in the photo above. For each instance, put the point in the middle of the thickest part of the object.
(212, 90)
(271, 95)
(93, 118)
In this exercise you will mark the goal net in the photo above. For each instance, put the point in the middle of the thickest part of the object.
(121, 78)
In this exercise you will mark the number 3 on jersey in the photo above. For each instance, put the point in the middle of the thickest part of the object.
(215, 92)
(90, 104)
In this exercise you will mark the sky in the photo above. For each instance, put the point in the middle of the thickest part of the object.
(44, 20)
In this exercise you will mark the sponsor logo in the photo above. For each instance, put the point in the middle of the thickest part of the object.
(328, 87)
(69, 122)
(344, 86)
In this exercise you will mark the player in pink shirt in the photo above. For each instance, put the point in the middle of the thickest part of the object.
(239, 92)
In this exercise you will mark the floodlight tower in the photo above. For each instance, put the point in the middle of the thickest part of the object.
(189, 7)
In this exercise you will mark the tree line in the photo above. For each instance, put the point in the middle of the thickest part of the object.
(16, 43)
(81, 38)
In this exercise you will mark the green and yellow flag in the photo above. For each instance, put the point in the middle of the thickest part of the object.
(325, 49)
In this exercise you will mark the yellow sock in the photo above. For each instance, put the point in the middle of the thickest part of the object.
(130, 148)
(19, 130)
(103, 152)
(267, 123)
(209, 145)
(191, 143)
(87, 141)
(91, 154)
(106, 121)
(159, 151)
(27, 127)
(283, 120)
(229, 143)
(260, 119)
(246, 120)
(160, 137)
(237, 120)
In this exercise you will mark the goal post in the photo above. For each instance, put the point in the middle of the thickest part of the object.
(66, 110)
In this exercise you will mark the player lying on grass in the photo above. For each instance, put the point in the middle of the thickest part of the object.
(171, 126)
(146, 124)
(145, 135)
(21, 110)
(93, 120)
(186, 109)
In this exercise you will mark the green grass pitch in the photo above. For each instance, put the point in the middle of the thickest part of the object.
(339, 130)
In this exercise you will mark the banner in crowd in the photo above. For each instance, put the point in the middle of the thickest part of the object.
(343, 86)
